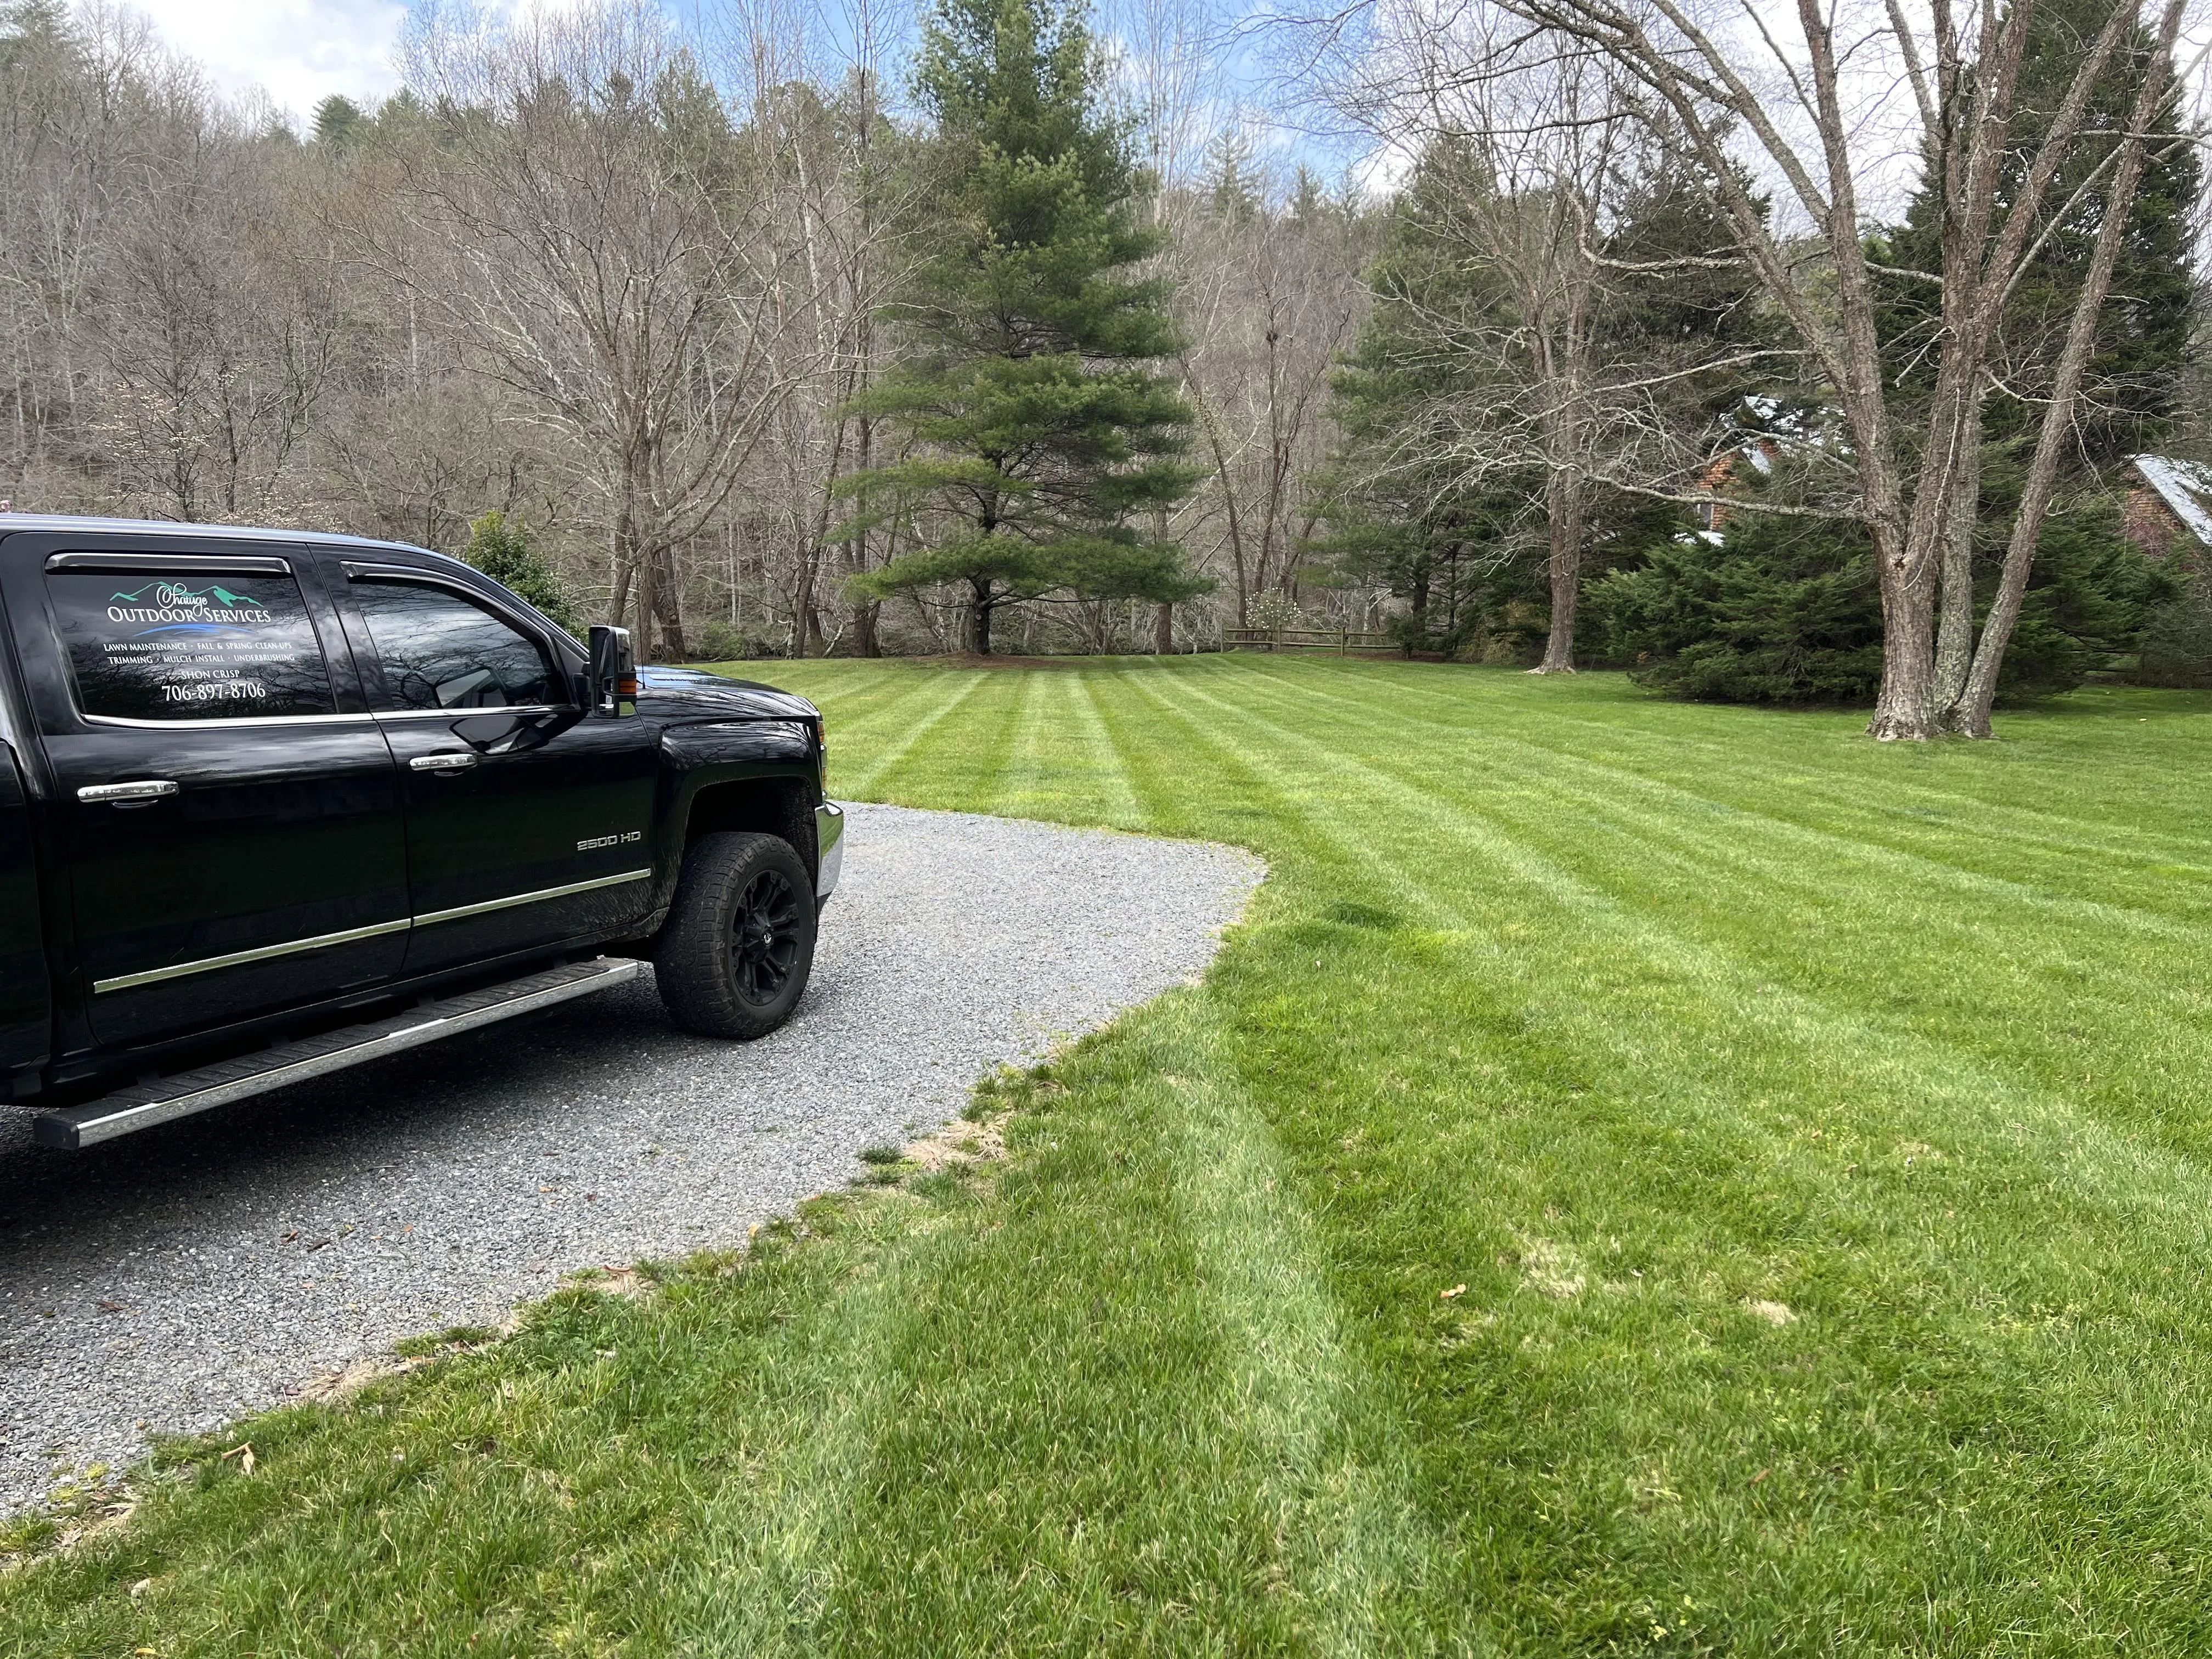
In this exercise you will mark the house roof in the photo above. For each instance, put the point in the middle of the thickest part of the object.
(2184, 486)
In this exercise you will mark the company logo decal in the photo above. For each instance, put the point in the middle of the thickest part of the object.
(173, 607)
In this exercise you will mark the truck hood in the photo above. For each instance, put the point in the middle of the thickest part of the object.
(681, 696)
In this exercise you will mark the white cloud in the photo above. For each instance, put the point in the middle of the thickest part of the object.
(298, 51)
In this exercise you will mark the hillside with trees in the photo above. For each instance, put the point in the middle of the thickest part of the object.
(820, 334)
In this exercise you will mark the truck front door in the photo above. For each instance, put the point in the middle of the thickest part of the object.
(231, 833)
(528, 817)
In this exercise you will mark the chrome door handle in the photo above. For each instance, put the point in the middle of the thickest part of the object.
(123, 794)
(446, 763)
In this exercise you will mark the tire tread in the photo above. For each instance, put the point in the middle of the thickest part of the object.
(690, 958)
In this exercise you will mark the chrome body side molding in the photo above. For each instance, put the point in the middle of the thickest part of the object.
(237, 958)
(543, 893)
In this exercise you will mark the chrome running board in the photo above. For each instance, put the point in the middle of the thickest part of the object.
(142, 1105)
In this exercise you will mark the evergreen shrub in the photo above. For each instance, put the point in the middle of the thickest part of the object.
(499, 547)
(2177, 641)
(1784, 610)
(1778, 610)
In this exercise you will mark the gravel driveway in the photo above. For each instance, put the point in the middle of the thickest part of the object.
(176, 1279)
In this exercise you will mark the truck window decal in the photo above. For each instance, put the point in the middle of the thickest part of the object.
(185, 647)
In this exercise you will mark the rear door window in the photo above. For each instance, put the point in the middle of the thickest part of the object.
(186, 645)
(439, 651)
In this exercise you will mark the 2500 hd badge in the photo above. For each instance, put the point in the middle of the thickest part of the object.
(272, 805)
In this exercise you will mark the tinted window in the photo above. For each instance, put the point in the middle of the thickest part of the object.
(189, 647)
(440, 651)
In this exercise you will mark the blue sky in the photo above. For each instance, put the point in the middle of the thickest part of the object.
(300, 50)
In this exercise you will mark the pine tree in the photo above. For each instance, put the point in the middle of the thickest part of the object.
(32, 29)
(339, 122)
(1398, 497)
(1034, 427)
(1785, 609)
(1393, 498)
(1233, 179)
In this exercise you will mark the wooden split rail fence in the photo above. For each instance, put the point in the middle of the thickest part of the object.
(1345, 641)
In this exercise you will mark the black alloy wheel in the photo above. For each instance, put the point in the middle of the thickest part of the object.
(733, 958)
(764, 942)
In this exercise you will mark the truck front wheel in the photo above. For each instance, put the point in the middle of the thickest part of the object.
(733, 958)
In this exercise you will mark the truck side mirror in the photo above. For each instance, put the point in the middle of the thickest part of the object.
(614, 672)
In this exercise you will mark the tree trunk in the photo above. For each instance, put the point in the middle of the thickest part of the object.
(2058, 419)
(1954, 634)
(618, 607)
(648, 591)
(1563, 502)
(802, 625)
(1209, 425)
(1163, 631)
(1905, 709)
(979, 620)
(668, 606)
(1565, 488)
(867, 642)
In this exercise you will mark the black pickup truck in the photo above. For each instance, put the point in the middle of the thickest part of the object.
(274, 804)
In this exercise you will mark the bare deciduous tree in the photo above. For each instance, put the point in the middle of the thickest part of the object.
(1269, 295)
(584, 227)
(1820, 118)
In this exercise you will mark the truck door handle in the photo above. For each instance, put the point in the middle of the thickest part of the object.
(450, 761)
(136, 794)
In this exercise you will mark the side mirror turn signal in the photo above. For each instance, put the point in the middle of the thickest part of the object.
(614, 672)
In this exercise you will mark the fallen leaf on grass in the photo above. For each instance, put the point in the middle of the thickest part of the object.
(245, 1455)
(1446, 1296)
(1760, 1476)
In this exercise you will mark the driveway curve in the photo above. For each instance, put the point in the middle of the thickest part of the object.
(175, 1279)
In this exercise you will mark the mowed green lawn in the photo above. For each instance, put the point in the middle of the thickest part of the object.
(1644, 1179)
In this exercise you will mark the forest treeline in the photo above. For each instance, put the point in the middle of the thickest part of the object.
(682, 311)
(802, 334)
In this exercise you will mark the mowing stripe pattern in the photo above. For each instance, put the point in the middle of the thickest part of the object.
(1644, 1179)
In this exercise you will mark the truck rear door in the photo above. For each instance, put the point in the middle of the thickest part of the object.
(229, 815)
